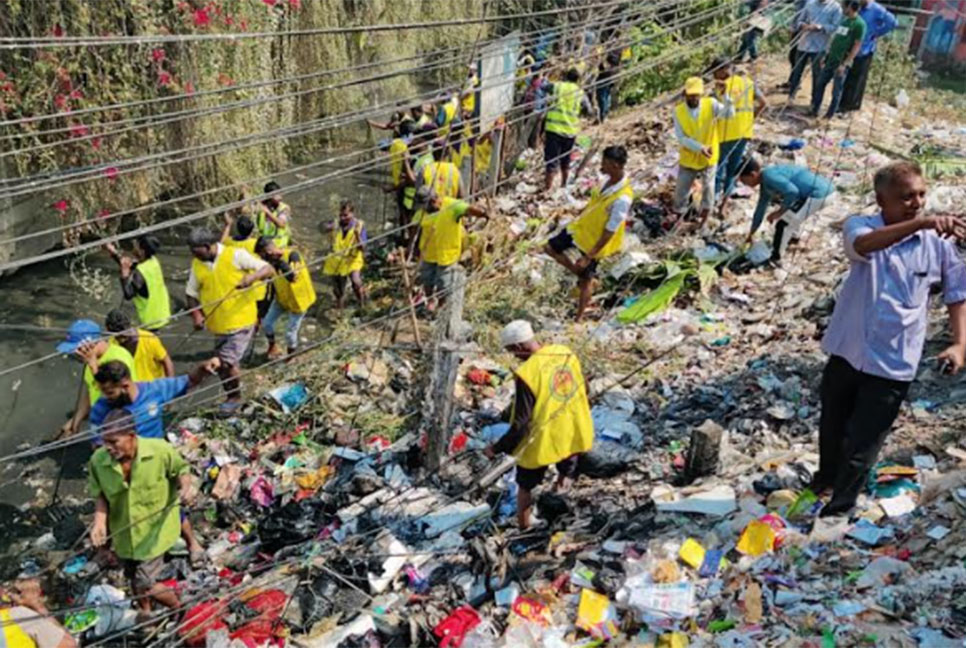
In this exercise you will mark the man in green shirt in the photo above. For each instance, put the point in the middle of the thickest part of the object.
(841, 53)
(137, 483)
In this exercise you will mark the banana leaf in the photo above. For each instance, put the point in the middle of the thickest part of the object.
(656, 300)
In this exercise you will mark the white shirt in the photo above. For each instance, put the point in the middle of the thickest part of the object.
(620, 208)
(243, 260)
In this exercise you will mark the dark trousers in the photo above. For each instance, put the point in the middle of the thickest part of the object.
(858, 410)
(731, 157)
(855, 82)
(804, 58)
(749, 44)
(603, 101)
(829, 74)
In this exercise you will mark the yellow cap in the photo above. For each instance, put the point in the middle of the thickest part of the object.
(694, 86)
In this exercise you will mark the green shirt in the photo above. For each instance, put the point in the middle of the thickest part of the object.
(850, 32)
(144, 519)
(114, 352)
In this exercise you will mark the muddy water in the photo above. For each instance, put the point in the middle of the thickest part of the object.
(35, 401)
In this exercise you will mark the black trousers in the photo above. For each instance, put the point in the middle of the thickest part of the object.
(855, 82)
(858, 410)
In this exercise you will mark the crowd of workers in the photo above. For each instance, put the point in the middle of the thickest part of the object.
(246, 277)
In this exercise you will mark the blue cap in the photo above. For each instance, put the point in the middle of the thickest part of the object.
(80, 331)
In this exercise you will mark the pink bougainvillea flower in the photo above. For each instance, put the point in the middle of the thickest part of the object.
(224, 79)
(78, 130)
(61, 205)
(96, 143)
(244, 25)
(295, 4)
(104, 213)
(76, 94)
(58, 31)
(60, 101)
(3, 75)
(189, 87)
(202, 19)
(164, 79)
(182, 6)
(270, 3)
(229, 21)
(7, 86)
(111, 173)
(157, 54)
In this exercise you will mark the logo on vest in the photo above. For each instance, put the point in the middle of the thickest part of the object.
(563, 385)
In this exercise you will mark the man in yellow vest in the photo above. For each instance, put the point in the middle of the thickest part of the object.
(696, 128)
(245, 237)
(151, 359)
(274, 217)
(562, 124)
(25, 622)
(468, 94)
(86, 343)
(599, 230)
(399, 184)
(441, 240)
(347, 257)
(447, 110)
(142, 282)
(222, 299)
(550, 420)
(734, 132)
(294, 293)
(441, 175)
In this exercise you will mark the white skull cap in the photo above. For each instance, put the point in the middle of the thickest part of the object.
(516, 332)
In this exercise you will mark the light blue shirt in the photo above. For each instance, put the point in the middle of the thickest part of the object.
(793, 183)
(827, 14)
(879, 21)
(879, 322)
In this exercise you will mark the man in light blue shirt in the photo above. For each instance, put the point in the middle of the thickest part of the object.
(879, 22)
(816, 24)
(877, 331)
(802, 194)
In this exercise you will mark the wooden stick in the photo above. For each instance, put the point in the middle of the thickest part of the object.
(409, 297)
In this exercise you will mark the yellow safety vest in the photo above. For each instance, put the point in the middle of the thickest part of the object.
(560, 425)
(346, 257)
(589, 226)
(297, 296)
(563, 117)
(397, 155)
(449, 114)
(443, 177)
(146, 356)
(226, 309)
(468, 104)
(703, 130)
(154, 311)
(282, 235)
(464, 149)
(259, 290)
(742, 125)
(422, 121)
(13, 635)
(441, 241)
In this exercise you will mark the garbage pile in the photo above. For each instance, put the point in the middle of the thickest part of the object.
(690, 524)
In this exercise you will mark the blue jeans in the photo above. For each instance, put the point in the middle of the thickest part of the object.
(603, 101)
(291, 329)
(795, 80)
(731, 157)
(838, 85)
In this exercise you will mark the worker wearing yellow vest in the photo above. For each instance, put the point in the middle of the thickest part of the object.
(25, 621)
(151, 359)
(441, 175)
(562, 124)
(447, 111)
(86, 343)
(294, 293)
(347, 257)
(441, 240)
(274, 218)
(399, 183)
(734, 132)
(550, 421)
(142, 281)
(599, 230)
(420, 156)
(245, 237)
(468, 94)
(222, 299)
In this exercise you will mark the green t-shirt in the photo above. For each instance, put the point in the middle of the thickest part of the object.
(144, 518)
(850, 32)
